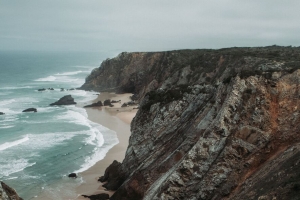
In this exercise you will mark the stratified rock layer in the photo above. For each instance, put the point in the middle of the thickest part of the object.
(212, 124)
(8, 193)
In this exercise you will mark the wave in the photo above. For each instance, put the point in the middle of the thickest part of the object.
(7, 145)
(14, 166)
(15, 88)
(5, 127)
(6, 102)
(47, 79)
(71, 73)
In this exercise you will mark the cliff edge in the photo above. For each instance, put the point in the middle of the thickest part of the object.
(212, 124)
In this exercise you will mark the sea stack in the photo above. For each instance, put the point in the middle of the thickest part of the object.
(66, 100)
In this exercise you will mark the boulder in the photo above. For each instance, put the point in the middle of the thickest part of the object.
(2, 113)
(99, 103)
(66, 100)
(40, 90)
(102, 196)
(114, 175)
(72, 175)
(62, 89)
(113, 101)
(107, 102)
(50, 88)
(30, 110)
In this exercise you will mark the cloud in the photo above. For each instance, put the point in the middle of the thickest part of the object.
(140, 25)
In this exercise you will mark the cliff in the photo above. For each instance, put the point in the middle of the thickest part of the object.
(212, 124)
(8, 193)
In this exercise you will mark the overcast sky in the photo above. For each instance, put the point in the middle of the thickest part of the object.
(150, 25)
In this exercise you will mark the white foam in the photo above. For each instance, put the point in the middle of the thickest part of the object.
(5, 127)
(69, 73)
(7, 145)
(15, 88)
(6, 102)
(47, 79)
(14, 166)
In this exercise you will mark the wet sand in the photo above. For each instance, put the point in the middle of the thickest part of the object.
(117, 119)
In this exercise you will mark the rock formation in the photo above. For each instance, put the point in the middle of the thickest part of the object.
(212, 124)
(30, 110)
(66, 100)
(98, 104)
(2, 113)
(8, 193)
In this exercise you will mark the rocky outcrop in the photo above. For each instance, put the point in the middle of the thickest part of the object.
(212, 124)
(30, 110)
(8, 193)
(66, 100)
(2, 113)
(98, 104)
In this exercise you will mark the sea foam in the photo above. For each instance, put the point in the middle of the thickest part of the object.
(7, 145)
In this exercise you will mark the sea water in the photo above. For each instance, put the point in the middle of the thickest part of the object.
(38, 150)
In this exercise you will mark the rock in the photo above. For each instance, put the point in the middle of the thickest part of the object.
(72, 175)
(102, 196)
(107, 102)
(8, 193)
(112, 174)
(62, 89)
(50, 88)
(72, 89)
(99, 103)
(113, 101)
(30, 110)
(130, 103)
(212, 124)
(2, 113)
(66, 100)
(40, 90)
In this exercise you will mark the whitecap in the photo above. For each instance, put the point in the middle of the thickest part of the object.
(47, 79)
(6, 102)
(69, 73)
(15, 88)
(7, 145)
(14, 166)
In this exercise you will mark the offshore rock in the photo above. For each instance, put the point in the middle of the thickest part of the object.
(8, 193)
(66, 100)
(30, 110)
(212, 124)
(2, 113)
(72, 175)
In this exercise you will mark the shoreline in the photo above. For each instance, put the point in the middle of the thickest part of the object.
(114, 118)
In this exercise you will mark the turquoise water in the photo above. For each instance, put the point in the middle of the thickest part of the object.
(38, 150)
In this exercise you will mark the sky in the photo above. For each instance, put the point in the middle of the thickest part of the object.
(152, 25)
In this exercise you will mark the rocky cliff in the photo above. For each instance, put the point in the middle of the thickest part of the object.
(8, 193)
(212, 124)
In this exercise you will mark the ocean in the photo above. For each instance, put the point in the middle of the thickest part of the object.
(38, 150)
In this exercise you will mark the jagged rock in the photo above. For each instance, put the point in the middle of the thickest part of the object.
(2, 113)
(8, 193)
(30, 110)
(102, 196)
(212, 124)
(72, 175)
(107, 103)
(66, 100)
(99, 103)
(113, 101)
(40, 90)
(113, 174)
(130, 103)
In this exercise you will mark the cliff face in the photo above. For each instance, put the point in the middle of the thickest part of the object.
(8, 193)
(212, 124)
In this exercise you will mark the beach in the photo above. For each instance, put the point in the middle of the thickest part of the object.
(117, 119)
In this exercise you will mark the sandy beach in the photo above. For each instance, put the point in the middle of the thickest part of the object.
(117, 119)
